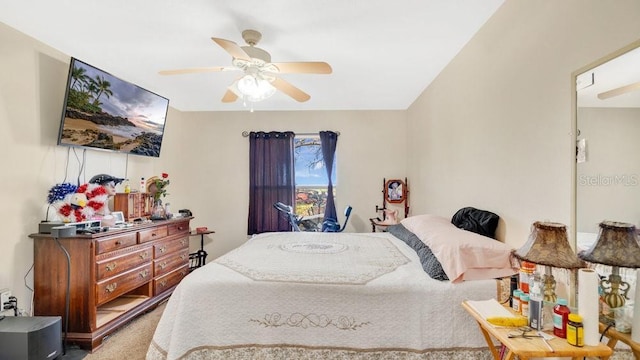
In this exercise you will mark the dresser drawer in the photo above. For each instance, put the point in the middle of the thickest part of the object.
(152, 234)
(168, 281)
(166, 247)
(115, 243)
(122, 262)
(111, 288)
(170, 262)
(179, 227)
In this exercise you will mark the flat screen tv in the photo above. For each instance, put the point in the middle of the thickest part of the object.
(104, 112)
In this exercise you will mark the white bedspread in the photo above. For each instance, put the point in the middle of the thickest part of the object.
(360, 292)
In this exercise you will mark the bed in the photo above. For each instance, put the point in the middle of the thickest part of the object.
(334, 296)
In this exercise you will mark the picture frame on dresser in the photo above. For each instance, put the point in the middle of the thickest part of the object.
(119, 217)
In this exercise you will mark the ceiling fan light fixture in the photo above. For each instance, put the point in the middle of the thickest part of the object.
(254, 88)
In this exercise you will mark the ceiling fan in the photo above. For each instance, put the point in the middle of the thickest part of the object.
(260, 76)
(619, 91)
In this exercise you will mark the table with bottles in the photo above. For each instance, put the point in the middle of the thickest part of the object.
(531, 347)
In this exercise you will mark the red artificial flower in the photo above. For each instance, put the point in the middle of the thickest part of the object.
(165, 175)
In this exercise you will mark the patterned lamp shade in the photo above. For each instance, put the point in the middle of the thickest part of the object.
(548, 245)
(617, 245)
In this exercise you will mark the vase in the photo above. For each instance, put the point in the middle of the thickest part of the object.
(157, 211)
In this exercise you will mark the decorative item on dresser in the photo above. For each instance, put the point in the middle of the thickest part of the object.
(114, 276)
(133, 205)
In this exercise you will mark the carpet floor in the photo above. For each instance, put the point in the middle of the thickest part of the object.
(130, 342)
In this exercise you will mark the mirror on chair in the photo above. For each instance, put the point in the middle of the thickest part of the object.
(607, 143)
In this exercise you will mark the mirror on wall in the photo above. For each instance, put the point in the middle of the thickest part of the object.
(608, 144)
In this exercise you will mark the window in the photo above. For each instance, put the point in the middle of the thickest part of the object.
(311, 181)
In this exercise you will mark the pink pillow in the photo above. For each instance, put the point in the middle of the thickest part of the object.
(464, 255)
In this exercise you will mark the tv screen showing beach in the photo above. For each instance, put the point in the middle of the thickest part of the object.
(104, 112)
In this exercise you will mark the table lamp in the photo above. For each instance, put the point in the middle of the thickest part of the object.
(616, 246)
(548, 245)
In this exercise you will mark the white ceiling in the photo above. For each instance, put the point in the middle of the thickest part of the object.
(383, 53)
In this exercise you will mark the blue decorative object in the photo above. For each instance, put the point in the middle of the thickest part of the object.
(59, 191)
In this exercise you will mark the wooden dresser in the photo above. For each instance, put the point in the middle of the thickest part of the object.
(115, 276)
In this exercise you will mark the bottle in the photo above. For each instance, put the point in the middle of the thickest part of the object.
(560, 318)
(513, 286)
(575, 330)
(524, 305)
(167, 211)
(143, 186)
(526, 270)
(535, 302)
(515, 304)
(127, 187)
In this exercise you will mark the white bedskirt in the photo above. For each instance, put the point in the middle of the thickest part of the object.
(284, 294)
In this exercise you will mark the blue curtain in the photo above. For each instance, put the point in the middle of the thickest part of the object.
(329, 142)
(271, 179)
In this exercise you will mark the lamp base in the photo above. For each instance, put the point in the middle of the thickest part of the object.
(614, 289)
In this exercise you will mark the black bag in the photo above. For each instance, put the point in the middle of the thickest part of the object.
(478, 221)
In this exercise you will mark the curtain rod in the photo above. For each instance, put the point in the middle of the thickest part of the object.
(246, 133)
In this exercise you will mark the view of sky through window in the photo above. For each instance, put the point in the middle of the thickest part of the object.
(309, 167)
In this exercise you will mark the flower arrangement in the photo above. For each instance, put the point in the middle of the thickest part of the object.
(161, 184)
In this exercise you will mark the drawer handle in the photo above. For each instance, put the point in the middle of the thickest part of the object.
(154, 234)
(144, 255)
(180, 228)
(143, 274)
(163, 265)
(163, 249)
(118, 242)
(183, 272)
(163, 283)
(111, 267)
(183, 256)
(111, 287)
(183, 242)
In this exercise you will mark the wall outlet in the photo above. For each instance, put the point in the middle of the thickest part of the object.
(4, 297)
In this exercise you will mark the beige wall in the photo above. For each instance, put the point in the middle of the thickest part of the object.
(494, 129)
(609, 181)
(204, 154)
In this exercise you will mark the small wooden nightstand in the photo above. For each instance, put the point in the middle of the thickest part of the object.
(614, 336)
(528, 348)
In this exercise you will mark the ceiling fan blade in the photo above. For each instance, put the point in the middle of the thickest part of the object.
(232, 48)
(196, 70)
(315, 67)
(619, 91)
(229, 96)
(290, 90)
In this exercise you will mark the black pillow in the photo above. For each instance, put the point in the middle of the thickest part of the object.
(430, 263)
(481, 222)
